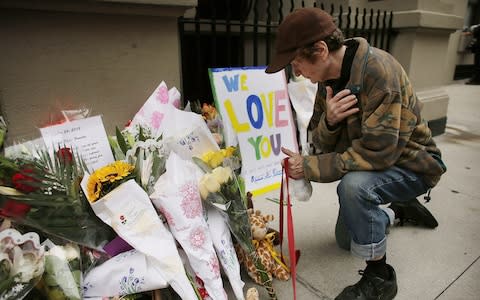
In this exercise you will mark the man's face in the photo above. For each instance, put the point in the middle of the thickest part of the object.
(316, 72)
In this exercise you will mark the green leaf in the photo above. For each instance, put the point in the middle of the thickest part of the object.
(141, 136)
(121, 141)
(202, 165)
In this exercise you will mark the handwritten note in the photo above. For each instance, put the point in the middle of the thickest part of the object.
(86, 136)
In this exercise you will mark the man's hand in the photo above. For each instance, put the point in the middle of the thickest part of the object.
(295, 164)
(340, 106)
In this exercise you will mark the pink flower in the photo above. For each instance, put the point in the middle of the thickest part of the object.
(157, 118)
(214, 265)
(197, 237)
(191, 203)
(162, 94)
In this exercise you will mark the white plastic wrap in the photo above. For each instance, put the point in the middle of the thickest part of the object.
(176, 195)
(222, 241)
(129, 211)
(127, 273)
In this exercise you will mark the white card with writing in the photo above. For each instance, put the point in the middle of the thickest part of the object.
(86, 136)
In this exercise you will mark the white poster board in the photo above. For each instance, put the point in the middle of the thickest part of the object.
(85, 136)
(256, 111)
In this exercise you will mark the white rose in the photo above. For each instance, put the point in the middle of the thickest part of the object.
(202, 188)
(71, 252)
(222, 174)
(211, 183)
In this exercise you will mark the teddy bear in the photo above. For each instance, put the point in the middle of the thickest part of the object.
(264, 246)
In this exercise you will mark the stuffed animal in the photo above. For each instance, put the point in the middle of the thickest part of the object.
(263, 243)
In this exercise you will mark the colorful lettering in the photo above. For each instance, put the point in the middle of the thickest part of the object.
(237, 126)
(279, 96)
(254, 100)
(243, 81)
(231, 83)
(268, 107)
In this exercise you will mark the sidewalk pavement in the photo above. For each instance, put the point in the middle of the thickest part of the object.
(442, 263)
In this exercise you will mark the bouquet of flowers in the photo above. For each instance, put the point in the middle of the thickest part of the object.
(177, 197)
(221, 188)
(43, 192)
(62, 276)
(127, 273)
(222, 241)
(214, 122)
(21, 263)
(147, 153)
(120, 202)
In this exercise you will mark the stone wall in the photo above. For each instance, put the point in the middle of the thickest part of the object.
(104, 55)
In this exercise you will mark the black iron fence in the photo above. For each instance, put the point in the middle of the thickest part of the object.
(234, 33)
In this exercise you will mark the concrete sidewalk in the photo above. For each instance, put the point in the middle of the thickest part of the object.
(431, 264)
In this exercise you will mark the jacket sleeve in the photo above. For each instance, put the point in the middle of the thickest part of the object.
(386, 127)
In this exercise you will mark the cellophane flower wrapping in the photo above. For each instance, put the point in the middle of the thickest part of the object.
(302, 96)
(22, 263)
(138, 147)
(44, 193)
(187, 134)
(177, 197)
(129, 211)
(62, 277)
(220, 187)
(127, 273)
(154, 111)
(222, 241)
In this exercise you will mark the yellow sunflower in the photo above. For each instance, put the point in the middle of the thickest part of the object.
(94, 187)
(108, 174)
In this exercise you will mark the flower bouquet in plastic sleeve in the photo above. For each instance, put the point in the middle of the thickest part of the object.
(302, 96)
(121, 203)
(137, 146)
(62, 277)
(214, 122)
(21, 263)
(43, 192)
(226, 254)
(177, 197)
(155, 109)
(127, 273)
(221, 188)
(187, 134)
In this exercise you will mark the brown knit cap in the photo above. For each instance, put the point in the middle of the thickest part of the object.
(300, 28)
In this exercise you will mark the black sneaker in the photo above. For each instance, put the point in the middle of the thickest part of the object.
(413, 211)
(371, 287)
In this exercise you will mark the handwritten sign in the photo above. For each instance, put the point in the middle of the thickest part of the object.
(255, 110)
(86, 136)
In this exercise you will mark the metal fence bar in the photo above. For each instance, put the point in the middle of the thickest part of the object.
(225, 36)
(213, 51)
(267, 37)
(228, 32)
(255, 34)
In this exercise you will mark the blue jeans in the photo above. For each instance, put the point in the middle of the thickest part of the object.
(361, 221)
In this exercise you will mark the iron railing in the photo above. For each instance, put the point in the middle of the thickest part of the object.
(234, 33)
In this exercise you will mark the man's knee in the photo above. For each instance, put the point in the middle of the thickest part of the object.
(352, 186)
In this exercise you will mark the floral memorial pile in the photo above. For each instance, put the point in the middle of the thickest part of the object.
(157, 207)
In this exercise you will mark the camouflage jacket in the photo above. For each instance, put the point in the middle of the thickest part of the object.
(388, 130)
